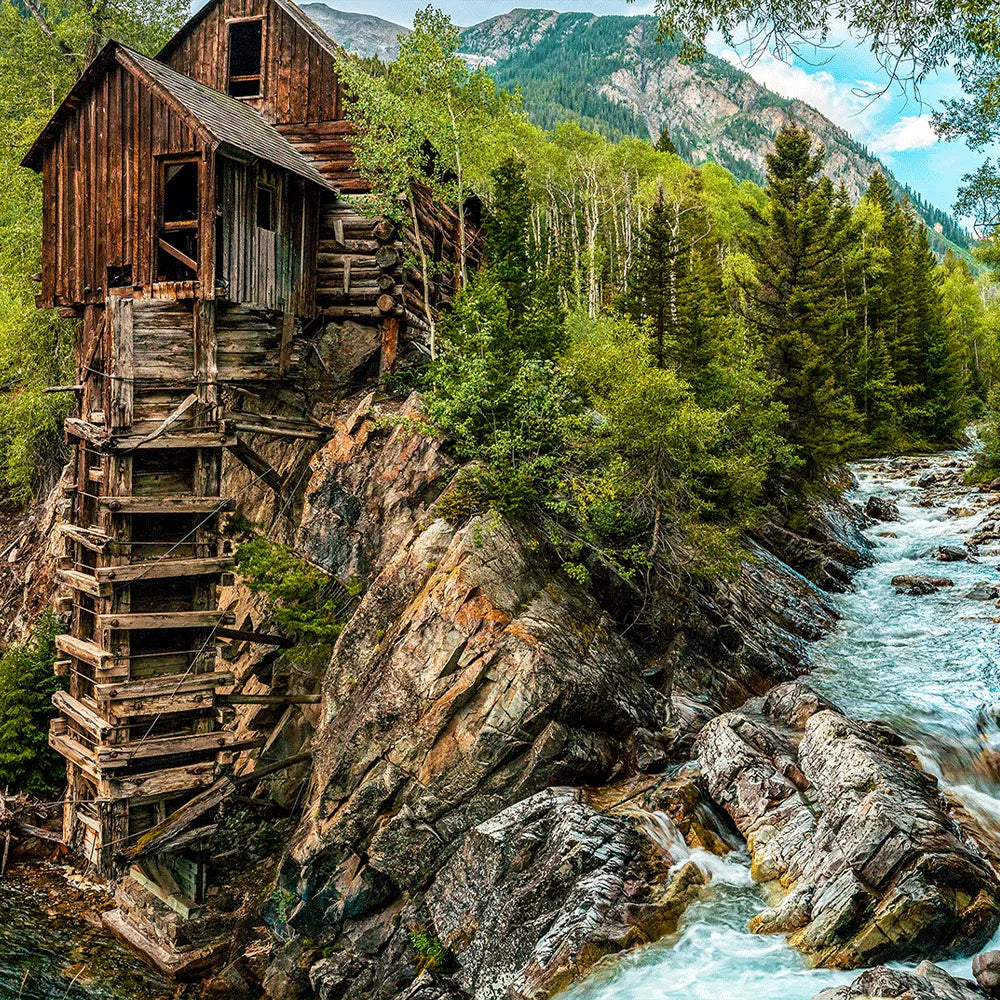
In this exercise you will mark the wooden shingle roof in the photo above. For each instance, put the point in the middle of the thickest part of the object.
(223, 120)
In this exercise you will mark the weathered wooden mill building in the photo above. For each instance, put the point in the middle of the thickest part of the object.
(193, 221)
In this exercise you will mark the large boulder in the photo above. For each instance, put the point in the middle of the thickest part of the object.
(928, 982)
(881, 509)
(536, 895)
(845, 829)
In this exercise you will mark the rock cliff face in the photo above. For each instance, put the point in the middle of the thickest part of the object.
(473, 694)
(852, 838)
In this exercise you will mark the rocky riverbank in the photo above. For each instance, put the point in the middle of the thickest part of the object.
(512, 785)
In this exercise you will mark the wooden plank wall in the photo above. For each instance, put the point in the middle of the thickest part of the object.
(101, 182)
(300, 78)
(163, 343)
(328, 145)
(265, 268)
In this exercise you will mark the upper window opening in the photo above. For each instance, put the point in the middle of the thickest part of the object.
(265, 208)
(246, 58)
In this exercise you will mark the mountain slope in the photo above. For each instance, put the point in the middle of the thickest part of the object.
(363, 34)
(612, 75)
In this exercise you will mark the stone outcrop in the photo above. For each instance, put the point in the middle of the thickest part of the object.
(472, 676)
(850, 837)
(536, 895)
(920, 584)
(927, 982)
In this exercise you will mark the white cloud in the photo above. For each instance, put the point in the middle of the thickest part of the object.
(910, 132)
(844, 102)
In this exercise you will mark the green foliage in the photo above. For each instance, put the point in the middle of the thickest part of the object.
(795, 302)
(27, 683)
(304, 602)
(36, 71)
(430, 954)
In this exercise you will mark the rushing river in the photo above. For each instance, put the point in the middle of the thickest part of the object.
(929, 665)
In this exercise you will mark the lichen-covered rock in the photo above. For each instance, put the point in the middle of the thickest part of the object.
(928, 982)
(836, 814)
(536, 895)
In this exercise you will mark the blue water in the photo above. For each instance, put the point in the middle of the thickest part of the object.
(928, 665)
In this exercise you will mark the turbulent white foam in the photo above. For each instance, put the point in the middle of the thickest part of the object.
(930, 666)
(732, 869)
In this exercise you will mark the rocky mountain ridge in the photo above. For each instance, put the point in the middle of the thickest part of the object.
(614, 76)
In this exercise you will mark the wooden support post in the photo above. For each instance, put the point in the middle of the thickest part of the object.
(287, 332)
(390, 345)
(122, 363)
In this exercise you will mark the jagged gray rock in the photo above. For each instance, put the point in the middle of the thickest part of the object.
(928, 982)
(837, 808)
(536, 895)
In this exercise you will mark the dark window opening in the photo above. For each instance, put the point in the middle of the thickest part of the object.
(265, 208)
(246, 43)
(180, 192)
(177, 246)
(119, 276)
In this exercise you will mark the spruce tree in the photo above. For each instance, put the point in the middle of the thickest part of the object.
(535, 318)
(665, 144)
(667, 282)
(941, 414)
(795, 300)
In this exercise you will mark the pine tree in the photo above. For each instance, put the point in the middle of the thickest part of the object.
(665, 144)
(941, 414)
(534, 316)
(795, 300)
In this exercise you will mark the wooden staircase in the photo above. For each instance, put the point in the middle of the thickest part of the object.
(140, 572)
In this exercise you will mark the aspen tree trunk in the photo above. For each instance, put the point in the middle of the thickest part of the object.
(459, 173)
(424, 272)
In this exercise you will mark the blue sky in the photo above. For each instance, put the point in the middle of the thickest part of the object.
(836, 80)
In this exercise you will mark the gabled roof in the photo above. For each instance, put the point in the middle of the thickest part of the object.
(306, 23)
(219, 118)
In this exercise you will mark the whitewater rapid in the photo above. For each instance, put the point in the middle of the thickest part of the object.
(930, 666)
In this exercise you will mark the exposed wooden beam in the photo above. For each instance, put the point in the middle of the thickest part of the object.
(83, 582)
(269, 699)
(164, 619)
(262, 637)
(261, 468)
(178, 254)
(167, 505)
(84, 717)
(154, 687)
(159, 569)
(116, 755)
(164, 834)
(82, 649)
